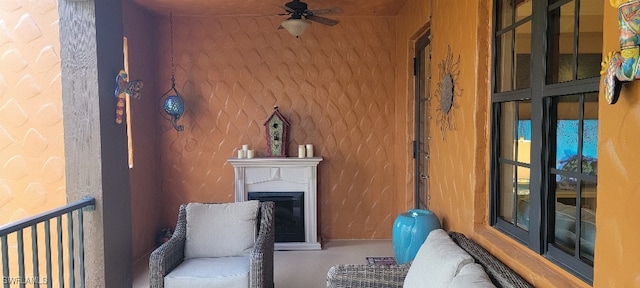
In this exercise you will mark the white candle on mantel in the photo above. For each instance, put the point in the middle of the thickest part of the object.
(301, 151)
(250, 153)
(245, 147)
(309, 150)
(242, 153)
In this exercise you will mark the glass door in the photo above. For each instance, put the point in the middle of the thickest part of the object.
(422, 73)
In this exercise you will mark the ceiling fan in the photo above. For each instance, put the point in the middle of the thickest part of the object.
(300, 17)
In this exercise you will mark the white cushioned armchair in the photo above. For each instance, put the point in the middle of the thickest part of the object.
(217, 245)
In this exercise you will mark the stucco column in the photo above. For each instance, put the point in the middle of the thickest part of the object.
(95, 147)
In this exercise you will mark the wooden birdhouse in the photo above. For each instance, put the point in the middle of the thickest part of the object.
(276, 127)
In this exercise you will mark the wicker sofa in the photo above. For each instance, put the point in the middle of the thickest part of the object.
(378, 276)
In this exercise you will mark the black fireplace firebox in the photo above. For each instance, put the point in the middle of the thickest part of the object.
(289, 214)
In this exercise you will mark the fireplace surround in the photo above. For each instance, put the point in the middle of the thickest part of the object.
(282, 176)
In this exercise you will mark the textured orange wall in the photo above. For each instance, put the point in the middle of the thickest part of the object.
(618, 217)
(335, 85)
(32, 178)
(454, 145)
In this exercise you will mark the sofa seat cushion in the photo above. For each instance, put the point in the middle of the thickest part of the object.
(206, 221)
(221, 272)
(437, 262)
(472, 275)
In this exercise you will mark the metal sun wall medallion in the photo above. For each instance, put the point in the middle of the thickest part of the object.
(446, 91)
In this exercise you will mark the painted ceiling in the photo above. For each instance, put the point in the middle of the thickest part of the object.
(269, 7)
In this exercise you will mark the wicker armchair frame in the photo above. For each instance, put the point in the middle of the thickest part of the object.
(170, 254)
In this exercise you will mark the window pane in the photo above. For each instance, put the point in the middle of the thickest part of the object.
(588, 224)
(590, 35)
(590, 148)
(567, 145)
(576, 161)
(505, 10)
(514, 195)
(590, 135)
(565, 221)
(569, 141)
(505, 16)
(565, 227)
(508, 122)
(507, 193)
(504, 62)
(522, 213)
(567, 132)
(523, 145)
(523, 9)
(523, 54)
(515, 131)
(560, 62)
(591, 106)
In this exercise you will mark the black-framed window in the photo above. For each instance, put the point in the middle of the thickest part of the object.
(546, 63)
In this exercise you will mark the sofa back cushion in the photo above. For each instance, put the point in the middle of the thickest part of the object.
(438, 260)
(220, 230)
(472, 275)
(499, 273)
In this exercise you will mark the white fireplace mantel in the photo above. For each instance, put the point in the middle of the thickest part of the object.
(282, 175)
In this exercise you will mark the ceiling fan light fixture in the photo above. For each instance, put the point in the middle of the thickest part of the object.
(296, 27)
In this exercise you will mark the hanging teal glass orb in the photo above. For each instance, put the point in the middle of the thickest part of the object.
(174, 106)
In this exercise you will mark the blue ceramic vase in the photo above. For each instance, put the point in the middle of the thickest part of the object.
(409, 232)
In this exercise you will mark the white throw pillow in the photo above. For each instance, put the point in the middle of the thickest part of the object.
(438, 260)
(220, 230)
(472, 275)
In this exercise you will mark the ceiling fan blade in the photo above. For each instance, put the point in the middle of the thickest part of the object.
(322, 20)
(334, 10)
(287, 9)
